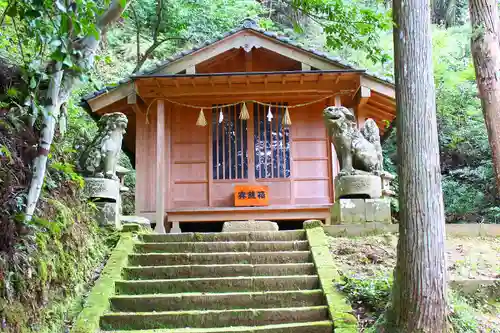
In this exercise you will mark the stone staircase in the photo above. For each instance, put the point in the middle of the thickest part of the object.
(219, 282)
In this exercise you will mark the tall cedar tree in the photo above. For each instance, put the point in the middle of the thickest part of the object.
(486, 56)
(419, 293)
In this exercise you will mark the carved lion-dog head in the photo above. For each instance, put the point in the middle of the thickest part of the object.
(338, 115)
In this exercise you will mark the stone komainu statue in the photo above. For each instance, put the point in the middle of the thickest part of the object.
(100, 158)
(356, 149)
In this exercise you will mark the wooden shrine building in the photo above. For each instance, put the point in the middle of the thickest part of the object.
(186, 172)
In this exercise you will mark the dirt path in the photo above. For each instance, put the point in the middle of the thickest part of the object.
(471, 258)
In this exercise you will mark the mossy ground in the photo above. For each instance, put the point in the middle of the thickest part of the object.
(371, 258)
(340, 311)
(98, 301)
(467, 257)
(47, 264)
(46, 276)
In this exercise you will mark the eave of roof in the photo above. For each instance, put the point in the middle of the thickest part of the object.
(328, 71)
(247, 25)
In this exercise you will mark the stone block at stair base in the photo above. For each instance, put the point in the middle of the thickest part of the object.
(237, 226)
(139, 220)
(176, 228)
(353, 211)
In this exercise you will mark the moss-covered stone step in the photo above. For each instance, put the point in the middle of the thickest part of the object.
(291, 235)
(197, 271)
(230, 246)
(324, 326)
(225, 284)
(165, 259)
(130, 227)
(211, 318)
(217, 301)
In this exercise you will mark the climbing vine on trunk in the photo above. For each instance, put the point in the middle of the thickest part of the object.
(66, 35)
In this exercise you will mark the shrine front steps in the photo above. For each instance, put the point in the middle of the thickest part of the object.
(225, 246)
(217, 301)
(217, 270)
(324, 326)
(227, 282)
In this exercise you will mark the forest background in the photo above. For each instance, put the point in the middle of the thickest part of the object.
(41, 256)
(140, 40)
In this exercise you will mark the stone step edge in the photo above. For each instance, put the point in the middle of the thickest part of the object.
(246, 329)
(197, 236)
(226, 242)
(202, 312)
(292, 264)
(231, 293)
(294, 243)
(225, 278)
(215, 253)
(135, 273)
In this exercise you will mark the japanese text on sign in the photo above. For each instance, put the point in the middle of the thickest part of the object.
(248, 195)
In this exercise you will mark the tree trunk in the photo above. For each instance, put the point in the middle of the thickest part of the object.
(486, 55)
(50, 118)
(61, 84)
(419, 293)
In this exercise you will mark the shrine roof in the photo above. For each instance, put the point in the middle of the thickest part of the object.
(248, 25)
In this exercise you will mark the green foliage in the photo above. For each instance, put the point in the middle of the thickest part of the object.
(44, 31)
(468, 182)
(373, 294)
(45, 264)
(184, 24)
(128, 198)
(370, 296)
(98, 300)
(463, 316)
(467, 173)
(51, 268)
(349, 24)
(68, 171)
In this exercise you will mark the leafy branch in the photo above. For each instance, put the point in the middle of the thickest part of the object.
(70, 32)
(347, 24)
(156, 34)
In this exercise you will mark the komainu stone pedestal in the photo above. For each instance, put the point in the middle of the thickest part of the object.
(358, 186)
(104, 188)
(105, 193)
(346, 211)
(107, 214)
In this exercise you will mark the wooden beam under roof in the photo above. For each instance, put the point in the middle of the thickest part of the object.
(383, 99)
(381, 106)
(208, 101)
(381, 88)
(252, 88)
(362, 95)
(384, 115)
(103, 100)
